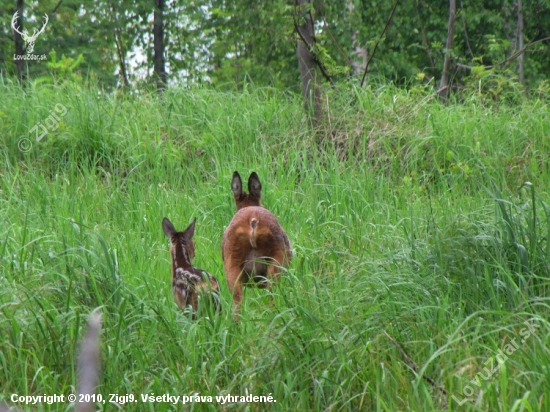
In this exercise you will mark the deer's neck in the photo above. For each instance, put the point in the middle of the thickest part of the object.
(180, 258)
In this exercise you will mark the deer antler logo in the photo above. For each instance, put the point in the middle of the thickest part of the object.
(25, 34)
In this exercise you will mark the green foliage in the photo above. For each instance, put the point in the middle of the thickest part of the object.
(393, 231)
(64, 68)
(493, 85)
(523, 245)
(240, 42)
(333, 69)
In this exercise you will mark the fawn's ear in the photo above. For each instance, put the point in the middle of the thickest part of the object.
(168, 227)
(254, 186)
(189, 232)
(237, 185)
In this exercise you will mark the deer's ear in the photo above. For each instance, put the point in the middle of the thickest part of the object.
(168, 227)
(190, 231)
(237, 185)
(254, 186)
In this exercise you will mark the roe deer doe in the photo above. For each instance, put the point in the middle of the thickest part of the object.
(255, 248)
(188, 282)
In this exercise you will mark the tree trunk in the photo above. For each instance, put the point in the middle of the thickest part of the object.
(359, 54)
(306, 60)
(158, 33)
(444, 84)
(121, 59)
(121, 53)
(521, 57)
(425, 42)
(19, 50)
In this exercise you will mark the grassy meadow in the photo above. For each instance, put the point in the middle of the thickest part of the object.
(420, 234)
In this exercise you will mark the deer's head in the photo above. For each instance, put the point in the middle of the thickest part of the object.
(243, 199)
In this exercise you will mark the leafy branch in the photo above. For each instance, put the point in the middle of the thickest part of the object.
(511, 57)
(378, 41)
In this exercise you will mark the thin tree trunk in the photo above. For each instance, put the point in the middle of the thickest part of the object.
(121, 58)
(121, 53)
(359, 61)
(306, 61)
(158, 34)
(425, 42)
(19, 49)
(466, 31)
(521, 57)
(378, 41)
(444, 84)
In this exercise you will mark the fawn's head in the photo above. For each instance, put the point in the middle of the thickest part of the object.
(182, 244)
(243, 199)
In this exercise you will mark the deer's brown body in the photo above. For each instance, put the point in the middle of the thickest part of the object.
(188, 282)
(255, 248)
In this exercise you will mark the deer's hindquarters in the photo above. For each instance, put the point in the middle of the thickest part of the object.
(254, 248)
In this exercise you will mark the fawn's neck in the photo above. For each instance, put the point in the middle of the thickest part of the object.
(180, 258)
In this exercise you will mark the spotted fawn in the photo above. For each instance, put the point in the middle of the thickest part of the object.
(189, 283)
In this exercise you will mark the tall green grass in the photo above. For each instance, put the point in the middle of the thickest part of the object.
(412, 221)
